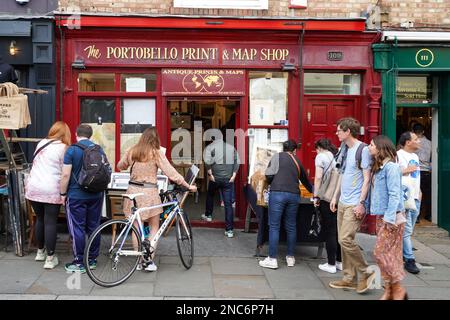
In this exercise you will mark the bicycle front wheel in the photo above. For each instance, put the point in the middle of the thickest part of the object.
(185, 242)
(112, 253)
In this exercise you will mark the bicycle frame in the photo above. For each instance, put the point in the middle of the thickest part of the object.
(174, 210)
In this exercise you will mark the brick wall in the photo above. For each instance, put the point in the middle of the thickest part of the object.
(422, 13)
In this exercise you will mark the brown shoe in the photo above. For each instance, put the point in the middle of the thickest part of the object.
(398, 292)
(387, 291)
(342, 284)
(366, 283)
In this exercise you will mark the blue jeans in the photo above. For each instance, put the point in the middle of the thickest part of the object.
(225, 188)
(411, 218)
(282, 203)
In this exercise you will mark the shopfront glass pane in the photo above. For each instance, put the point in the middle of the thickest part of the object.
(100, 114)
(136, 116)
(416, 89)
(268, 98)
(96, 82)
(137, 82)
(262, 144)
(332, 83)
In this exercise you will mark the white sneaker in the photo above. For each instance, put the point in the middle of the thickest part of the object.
(206, 218)
(290, 261)
(229, 233)
(51, 262)
(339, 266)
(151, 267)
(327, 268)
(41, 255)
(269, 263)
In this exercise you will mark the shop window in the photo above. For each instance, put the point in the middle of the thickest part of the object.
(95, 82)
(137, 82)
(415, 89)
(332, 83)
(268, 98)
(136, 116)
(101, 116)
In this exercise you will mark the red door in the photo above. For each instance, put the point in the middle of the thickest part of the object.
(319, 121)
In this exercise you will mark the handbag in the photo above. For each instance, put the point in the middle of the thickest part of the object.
(408, 187)
(329, 182)
(14, 112)
(400, 218)
(315, 226)
(304, 193)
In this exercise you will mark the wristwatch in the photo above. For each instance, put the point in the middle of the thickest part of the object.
(363, 202)
(63, 194)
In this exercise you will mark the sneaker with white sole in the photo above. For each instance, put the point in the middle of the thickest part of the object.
(290, 260)
(206, 218)
(41, 255)
(339, 266)
(151, 267)
(51, 262)
(327, 268)
(229, 233)
(269, 262)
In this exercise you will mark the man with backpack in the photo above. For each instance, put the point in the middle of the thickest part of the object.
(354, 163)
(85, 175)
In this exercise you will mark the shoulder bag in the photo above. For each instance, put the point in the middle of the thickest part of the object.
(329, 182)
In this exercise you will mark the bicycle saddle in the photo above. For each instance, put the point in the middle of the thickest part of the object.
(132, 196)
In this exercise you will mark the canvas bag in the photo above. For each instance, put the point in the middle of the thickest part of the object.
(330, 180)
(14, 112)
(408, 187)
(261, 186)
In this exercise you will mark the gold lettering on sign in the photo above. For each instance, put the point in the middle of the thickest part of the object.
(274, 54)
(244, 54)
(199, 53)
(93, 52)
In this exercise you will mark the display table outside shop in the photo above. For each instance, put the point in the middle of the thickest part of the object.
(304, 214)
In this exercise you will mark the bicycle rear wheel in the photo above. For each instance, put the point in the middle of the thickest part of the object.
(185, 242)
(112, 267)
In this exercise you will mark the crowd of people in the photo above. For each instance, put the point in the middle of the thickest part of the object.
(375, 179)
(54, 180)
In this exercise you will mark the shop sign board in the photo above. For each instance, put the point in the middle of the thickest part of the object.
(199, 54)
(424, 58)
(203, 82)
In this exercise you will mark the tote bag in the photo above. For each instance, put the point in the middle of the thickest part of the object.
(329, 182)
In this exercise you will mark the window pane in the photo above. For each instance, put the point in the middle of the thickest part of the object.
(136, 116)
(101, 116)
(268, 98)
(262, 144)
(94, 82)
(416, 89)
(138, 82)
(332, 83)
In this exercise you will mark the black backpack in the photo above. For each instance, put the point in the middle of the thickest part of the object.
(95, 173)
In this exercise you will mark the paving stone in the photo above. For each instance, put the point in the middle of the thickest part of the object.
(293, 278)
(176, 260)
(132, 289)
(428, 293)
(240, 286)
(303, 294)
(174, 280)
(440, 272)
(439, 284)
(69, 297)
(235, 266)
(18, 275)
(58, 282)
(27, 297)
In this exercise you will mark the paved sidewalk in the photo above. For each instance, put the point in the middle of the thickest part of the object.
(223, 269)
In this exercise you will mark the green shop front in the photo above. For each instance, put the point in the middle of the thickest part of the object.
(415, 73)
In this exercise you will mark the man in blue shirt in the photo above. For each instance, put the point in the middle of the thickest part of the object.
(83, 209)
(354, 188)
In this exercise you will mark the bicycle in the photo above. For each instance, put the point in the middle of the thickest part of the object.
(117, 257)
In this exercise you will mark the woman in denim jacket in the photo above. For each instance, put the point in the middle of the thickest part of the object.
(387, 204)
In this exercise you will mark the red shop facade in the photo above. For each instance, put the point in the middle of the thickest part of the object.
(272, 79)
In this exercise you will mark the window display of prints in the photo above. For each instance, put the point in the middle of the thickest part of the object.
(260, 159)
(261, 112)
(105, 136)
